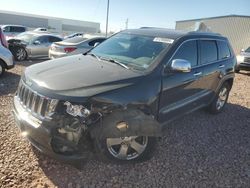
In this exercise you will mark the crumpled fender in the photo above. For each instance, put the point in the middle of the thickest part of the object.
(139, 124)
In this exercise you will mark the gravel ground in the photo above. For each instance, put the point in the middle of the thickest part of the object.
(199, 150)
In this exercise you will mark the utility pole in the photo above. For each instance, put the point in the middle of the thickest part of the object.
(126, 24)
(107, 19)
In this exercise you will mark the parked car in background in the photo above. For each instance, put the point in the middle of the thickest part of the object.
(41, 29)
(32, 45)
(74, 35)
(6, 57)
(121, 95)
(72, 46)
(243, 60)
(10, 31)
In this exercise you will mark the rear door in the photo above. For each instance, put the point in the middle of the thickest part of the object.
(214, 55)
(182, 92)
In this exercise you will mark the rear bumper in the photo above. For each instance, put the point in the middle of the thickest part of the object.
(54, 54)
(39, 133)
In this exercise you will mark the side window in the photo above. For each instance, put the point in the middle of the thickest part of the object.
(54, 39)
(188, 51)
(6, 29)
(224, 51)
(208, 51)
(17, 29)
(43, 39)
(92, 43)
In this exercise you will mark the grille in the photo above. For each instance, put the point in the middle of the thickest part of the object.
(247, 59)
(33, 102)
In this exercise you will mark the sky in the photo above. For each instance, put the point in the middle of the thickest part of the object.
(150, 13)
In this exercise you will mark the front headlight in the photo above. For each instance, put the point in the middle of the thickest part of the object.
(240, 59)
(77, 110)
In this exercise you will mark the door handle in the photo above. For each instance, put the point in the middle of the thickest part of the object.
(197, 73)
(221, 66)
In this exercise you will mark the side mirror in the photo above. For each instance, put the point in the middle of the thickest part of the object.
(242, 50)
(181, 65)
(96, 44)
(37, 42)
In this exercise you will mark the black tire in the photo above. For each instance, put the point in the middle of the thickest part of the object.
(2, 68)
(20, 54)
(214, 106)
(104, 154)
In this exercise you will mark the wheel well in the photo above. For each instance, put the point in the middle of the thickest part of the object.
(230, 82)
(2, 61)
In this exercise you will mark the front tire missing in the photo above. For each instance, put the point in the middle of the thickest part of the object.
(126, 149)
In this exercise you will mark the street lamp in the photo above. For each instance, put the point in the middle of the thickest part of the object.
(107, 19)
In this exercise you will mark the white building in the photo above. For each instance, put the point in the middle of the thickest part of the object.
(236, 28)
(54, 24)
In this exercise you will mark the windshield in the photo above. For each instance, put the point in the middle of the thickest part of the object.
(132, 50)
(247, 50)
(26, 37)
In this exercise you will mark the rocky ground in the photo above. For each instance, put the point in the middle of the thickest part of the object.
(199, 150)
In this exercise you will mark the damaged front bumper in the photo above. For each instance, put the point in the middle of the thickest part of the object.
(41, 133)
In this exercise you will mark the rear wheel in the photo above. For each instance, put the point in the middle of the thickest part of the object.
(220, 100)
(20, 54)
(126, 149)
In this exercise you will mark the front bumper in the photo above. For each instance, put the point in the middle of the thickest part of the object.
(38, 133)
(243, 66)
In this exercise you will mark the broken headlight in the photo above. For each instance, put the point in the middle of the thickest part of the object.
(77, 110)
(51, 107)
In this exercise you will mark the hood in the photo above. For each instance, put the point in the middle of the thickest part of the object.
(79, 75)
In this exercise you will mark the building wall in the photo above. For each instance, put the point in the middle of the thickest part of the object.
(236, 29)
(54, 24)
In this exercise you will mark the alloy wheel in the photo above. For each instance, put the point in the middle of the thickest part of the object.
(127, 148)
(20, 54)
(222, 97)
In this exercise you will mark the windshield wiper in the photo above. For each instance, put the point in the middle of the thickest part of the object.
(95, 56)
(116, 62)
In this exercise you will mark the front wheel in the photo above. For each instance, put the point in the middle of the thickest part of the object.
(220, 99)
(20, 54)
(126, 149)
(2, 69)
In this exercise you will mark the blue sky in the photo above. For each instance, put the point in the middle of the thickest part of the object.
(157, 13)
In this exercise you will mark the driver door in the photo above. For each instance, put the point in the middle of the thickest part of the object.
(40, 46)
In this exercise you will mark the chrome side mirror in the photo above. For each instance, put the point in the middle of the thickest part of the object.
(37, 42)
(181, 65)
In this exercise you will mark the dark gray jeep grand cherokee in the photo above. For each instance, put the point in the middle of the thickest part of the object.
(120, 95)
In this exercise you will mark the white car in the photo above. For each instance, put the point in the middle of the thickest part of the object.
(6, 57)
(10, 31)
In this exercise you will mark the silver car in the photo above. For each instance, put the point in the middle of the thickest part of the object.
(72, 46)
(243, 60)
(32, 45)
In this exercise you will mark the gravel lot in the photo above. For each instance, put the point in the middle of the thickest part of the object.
(199, 150)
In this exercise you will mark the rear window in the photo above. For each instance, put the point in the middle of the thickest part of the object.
(224, 51)
(17, 29)
(54, 39)
(208, 51)
(75, 40)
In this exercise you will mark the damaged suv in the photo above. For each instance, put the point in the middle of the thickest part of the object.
(119, 96)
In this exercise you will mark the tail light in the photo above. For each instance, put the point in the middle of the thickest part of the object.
(3, 39)
(69, 49)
